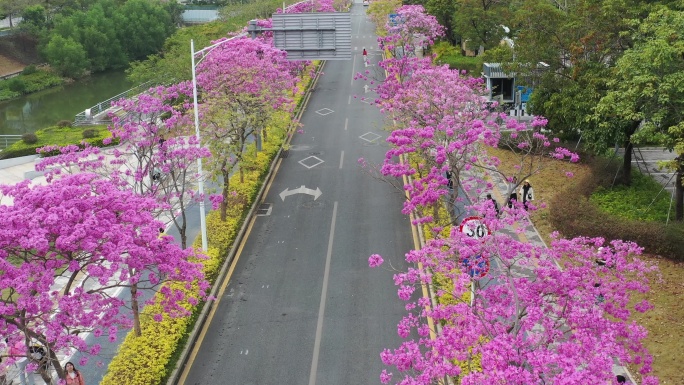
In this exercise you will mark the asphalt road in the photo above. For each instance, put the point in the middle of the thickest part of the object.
(302, 306)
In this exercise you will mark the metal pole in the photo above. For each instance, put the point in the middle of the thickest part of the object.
(203, 219)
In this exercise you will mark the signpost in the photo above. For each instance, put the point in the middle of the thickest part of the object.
(395, 19)
(474, 227)
(476, 266)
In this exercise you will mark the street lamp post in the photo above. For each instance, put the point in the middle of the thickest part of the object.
(204, 51)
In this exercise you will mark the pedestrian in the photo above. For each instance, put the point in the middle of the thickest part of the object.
(73, 376)
(365, 54)
(511, 188)
(156, 174)
(450, 181)
(526, 192)
(18, 350)
(495, 203)
(621, 379)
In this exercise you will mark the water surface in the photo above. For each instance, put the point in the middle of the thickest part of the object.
(45, 108)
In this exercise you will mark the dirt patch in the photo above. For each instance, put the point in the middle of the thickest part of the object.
(9, 66)
(665, 324)
(18, 50)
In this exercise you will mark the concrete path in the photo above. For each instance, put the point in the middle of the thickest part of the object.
(646, 159)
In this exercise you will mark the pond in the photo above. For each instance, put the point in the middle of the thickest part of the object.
(45, 108)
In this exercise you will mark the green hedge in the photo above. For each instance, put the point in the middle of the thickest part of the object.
(149, 359)
(60, 136)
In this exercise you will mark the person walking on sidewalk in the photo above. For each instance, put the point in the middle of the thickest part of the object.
(526, 192)
(19, 351)
(511, 189)
(73, 376)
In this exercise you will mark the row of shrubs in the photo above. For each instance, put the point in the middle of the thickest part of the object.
(150, 358)
(32, 79)
(582, 216)
(60, 135)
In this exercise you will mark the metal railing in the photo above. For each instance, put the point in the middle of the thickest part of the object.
(89, 116)
(8, 140)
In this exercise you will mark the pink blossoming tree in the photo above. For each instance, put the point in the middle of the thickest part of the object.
(93, 237)
(156, 156)
(243, 82)
(557, 315)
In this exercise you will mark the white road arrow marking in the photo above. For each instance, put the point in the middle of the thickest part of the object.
(301, 190)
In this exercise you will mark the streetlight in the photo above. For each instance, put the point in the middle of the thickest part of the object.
(204, 51)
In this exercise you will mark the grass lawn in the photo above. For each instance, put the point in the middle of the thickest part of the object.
(665, 323)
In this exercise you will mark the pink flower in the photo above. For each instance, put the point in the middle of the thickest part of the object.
(375, 260)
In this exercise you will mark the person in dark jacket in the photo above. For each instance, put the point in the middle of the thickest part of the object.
(526, 193)
(514, 195)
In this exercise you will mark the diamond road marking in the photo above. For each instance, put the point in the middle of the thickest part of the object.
(370, 137)
(312, 159)
(324, 111)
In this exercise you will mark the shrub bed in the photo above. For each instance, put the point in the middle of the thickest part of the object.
(60, 136)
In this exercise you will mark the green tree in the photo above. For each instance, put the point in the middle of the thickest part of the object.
(479, 23)
(34, 19)
(444, 11)
(67, 56)
(173, 62)
(144, 25)
(646, 91)
(579, 41)
(95, 30)
(13, 8)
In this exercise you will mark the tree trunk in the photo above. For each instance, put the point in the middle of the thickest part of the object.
(135, 307)
(679, 193)
(224, 195)
(627, 160)
(627, 163)
(182, 230)
(54, 361)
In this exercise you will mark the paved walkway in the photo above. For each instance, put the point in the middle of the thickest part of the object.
(646, 159)
(5, 23)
